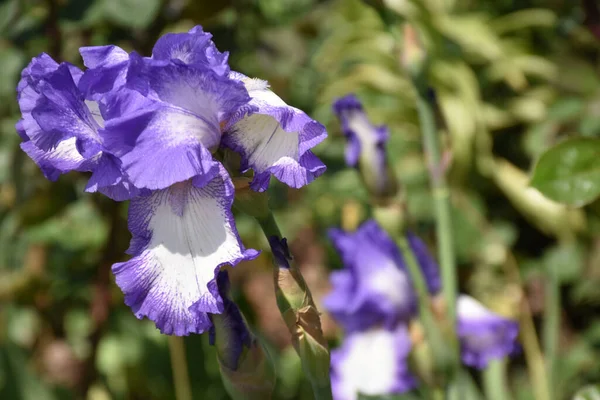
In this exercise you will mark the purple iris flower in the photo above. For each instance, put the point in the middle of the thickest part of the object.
(374, 288)
(153, 126)
(484, 335)
(366, 145)
(372, 362)
(61, 129)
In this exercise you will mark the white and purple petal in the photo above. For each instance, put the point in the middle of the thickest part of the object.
(373, 363)
(165, 132)
(483, 334)
(275, 140)
(194, 47)
(182, 236)
(374, 287)
(61, 159)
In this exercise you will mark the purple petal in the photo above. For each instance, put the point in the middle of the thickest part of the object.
(429, 267)
(165, 133)
(374, 287)
(194, 47)
(54, 110)
(61, 159)
(372, 363)
(107, 69)
(483, 335)
(156, 144)
(275, 140)
(109, 179)
(182, 236)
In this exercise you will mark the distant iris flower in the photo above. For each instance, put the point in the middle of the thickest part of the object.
(483, 334)
(374, 288)
(366, 145)
(372, 362)
(149, 129)
(373, 299)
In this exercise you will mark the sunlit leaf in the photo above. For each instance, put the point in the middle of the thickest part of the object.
(570, 172)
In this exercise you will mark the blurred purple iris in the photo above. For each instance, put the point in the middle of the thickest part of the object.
(373, 300)
(149, 128)
(366, 144)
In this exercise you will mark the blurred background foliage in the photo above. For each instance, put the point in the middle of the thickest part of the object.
(511, 79)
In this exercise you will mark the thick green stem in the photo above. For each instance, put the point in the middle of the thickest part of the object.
(494, 381)
(441, 198)
(181, 378)
(551, 325)
(299, 312)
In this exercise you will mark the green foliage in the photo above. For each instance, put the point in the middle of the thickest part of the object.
(570, 172)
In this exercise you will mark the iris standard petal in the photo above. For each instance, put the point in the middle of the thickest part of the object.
(275, 140)
(194, 47)
(182, 235)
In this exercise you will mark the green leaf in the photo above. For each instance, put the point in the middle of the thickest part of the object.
(570, 172)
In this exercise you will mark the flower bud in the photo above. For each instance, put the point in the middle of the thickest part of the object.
(246, 368)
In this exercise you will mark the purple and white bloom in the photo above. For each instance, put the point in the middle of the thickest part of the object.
(275, 139)
(149, 129)
(374, 288)
(61, 130)
(372, 362)
(182, 236)
(483, 334)
(365, 145)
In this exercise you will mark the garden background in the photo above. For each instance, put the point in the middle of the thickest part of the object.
(511, 79)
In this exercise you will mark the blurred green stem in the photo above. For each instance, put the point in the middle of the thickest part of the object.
(494, 381)
(441, 198)
(551, 325)
(181, 378)
(299, 312)
(432, 330)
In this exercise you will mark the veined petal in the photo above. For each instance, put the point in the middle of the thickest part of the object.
(182, 235)
(483, 334)
(194, 47)
(275, 140)
(373, 362)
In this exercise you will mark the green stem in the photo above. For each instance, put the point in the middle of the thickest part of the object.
(551, 326)
(494, 381)
(298, 310)
(441, 199)
(432, 331)
(181, 379)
